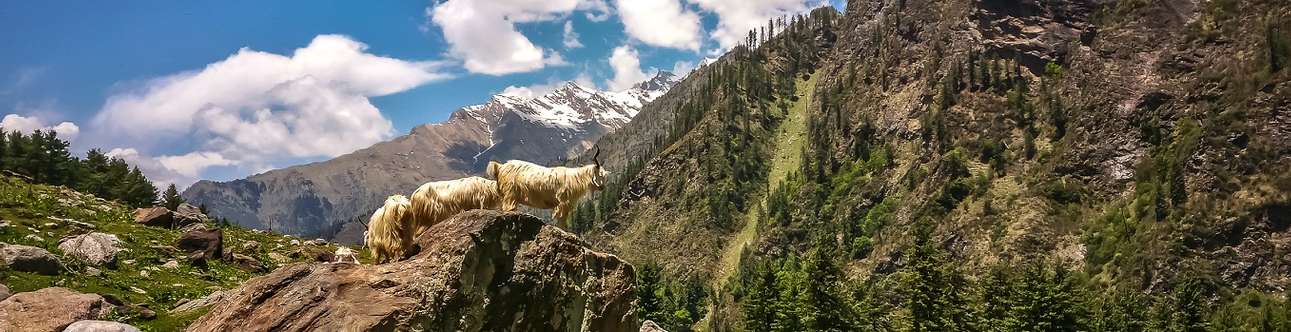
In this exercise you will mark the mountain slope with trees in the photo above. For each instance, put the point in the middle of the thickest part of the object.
(1017, 165)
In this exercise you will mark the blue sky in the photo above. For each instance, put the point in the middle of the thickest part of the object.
(155, 80)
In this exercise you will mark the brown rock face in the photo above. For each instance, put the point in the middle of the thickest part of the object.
(154, 216)
(50, 309)
(201, 241)
(479, 271)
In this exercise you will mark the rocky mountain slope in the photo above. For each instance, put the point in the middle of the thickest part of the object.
(320, 199)
(973, 160)
(479, 271)
(66, 257)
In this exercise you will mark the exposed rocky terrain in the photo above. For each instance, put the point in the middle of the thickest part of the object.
(321, 199)
(478, 271)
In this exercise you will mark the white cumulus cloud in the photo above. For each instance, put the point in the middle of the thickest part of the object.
(663, 23)
(737, 17)
(571, 37)
(627, 69)
(26, 124)
(483, 33)
(255, 108)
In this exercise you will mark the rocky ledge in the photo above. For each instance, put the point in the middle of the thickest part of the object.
(479, 271)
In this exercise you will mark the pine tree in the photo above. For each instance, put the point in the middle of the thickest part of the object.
(759, 301)
(649, 304)
(171, 198)
(820, 302)
(937, 291)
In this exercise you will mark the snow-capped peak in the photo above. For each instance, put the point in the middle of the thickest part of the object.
(572, 106)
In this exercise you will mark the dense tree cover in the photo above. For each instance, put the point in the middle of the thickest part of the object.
(674, 304)
(931, 292)
(45, 158)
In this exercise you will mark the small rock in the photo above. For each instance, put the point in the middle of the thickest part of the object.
(137, 290)
(93, 248)
(93, 272)
(100, 326)
(144, 274)
(33, 238)
(50, 309)
(278, 258)
(50, 225)
(650, 326)
(128, 262)
(247, 263)
(186, 306)
(171, 264)
(154, 216)
(29, 259)
(251, 246)
(4, 292)
(295, 242)
(168, 250)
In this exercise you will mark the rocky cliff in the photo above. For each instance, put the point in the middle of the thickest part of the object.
(479, 271)
(321, 199)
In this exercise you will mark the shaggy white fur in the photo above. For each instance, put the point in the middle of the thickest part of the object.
(389, 233)
(522, 182)
(435, 201)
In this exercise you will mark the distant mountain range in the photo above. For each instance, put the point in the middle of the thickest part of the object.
(320, 199)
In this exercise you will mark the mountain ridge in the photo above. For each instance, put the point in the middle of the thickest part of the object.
(321, 199)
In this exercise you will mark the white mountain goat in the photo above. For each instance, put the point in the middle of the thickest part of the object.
(389, 233)
(522, 182)
(346, 255)
(435, 201)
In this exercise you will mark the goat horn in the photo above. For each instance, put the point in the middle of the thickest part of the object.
(596, 156)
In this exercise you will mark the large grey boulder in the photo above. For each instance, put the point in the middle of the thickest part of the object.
(50, 309)
(100, 326)
(93, 248)
(29, 259)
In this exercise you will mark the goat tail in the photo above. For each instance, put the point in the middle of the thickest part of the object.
(492, 169)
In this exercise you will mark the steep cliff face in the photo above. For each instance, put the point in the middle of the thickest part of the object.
(321, 199)
(479, 271)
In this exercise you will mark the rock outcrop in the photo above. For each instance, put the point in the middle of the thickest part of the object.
(479, 271)
(29, 259)
(4, 292)
(650, 326)
(93, 248)
(100, 326)
(50, 309)
(202, 243)
(187, 214)
(154, 216)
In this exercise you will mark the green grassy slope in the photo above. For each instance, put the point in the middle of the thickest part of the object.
(38, 214)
